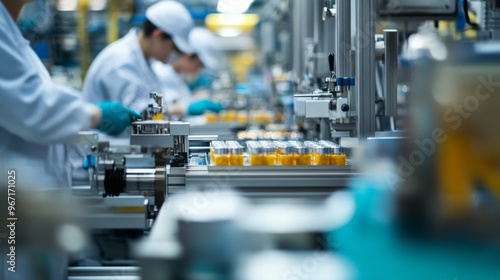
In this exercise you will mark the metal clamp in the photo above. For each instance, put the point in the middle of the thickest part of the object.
(157, 107)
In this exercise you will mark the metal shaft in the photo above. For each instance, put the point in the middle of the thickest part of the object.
(343, 37)
(365, 67)
(391, 72)
(297, 38)
(139, 180)
(318, 22)
(303, 28)
(325, 133)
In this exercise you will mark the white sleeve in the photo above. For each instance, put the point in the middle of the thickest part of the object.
(31, 105)
(125, 85)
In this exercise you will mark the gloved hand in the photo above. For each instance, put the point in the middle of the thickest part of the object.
(115, 117)
(199, 107)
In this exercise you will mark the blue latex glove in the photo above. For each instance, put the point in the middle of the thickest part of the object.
(200, 107)
(115, 117)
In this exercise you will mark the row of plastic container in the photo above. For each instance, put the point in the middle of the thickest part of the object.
(255, 116)
(277, 153)
(226, 153)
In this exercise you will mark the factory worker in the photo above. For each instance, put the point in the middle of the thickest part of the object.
(122, 71)
(36, 113)
(36, 118)
(187, 67)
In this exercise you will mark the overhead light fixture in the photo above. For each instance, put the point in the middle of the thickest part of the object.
(97, 5)
(233, 6)
(72, 5)
(231, 25)
(66, 6)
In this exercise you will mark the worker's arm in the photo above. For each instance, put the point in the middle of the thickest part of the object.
(31, 106)
(126, 86)
(199, 107)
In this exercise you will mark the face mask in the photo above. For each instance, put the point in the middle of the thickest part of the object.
(174, 55)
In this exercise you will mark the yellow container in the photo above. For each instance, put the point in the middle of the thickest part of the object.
(322, 159)
(284, 153)
(286, 159)
(303, 159)
(261, 153)
(256, 159)
(322, 155)
(301, 154)
(211, 117)
(269, 159)
(335, 152)
(232, 115)
(224, 116)
(236, 160)
(242, 116)
(255, 153)
(157, 117)
(236, 151)
(228, 116)
(219, 153)
(261, 116)
(269, 153)
(221, 160)
(337, 159)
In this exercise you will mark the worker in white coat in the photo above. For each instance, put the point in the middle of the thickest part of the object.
(122, 71)
(35, 113)
(37, 119)
(187, 67)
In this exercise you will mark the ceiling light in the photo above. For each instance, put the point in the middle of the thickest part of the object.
(230, 25)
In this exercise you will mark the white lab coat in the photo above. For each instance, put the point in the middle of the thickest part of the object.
(34, 115)
(121, 73)
(174, 87)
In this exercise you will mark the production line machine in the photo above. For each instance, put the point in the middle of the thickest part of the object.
(337, 103)
(129, 185)
(329, 104)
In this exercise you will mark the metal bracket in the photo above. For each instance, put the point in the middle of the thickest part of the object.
(328, 12)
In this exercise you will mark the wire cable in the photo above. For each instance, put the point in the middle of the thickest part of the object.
(467, 18)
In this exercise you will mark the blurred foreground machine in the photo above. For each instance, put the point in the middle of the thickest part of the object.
(450, 179)
(220, 235)
(431, 201)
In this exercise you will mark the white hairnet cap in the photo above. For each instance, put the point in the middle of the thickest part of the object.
(202, 41)
(174, 19)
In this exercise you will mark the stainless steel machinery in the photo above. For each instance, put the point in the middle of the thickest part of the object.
(138, 171)
(345, 105)
(130, 184)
